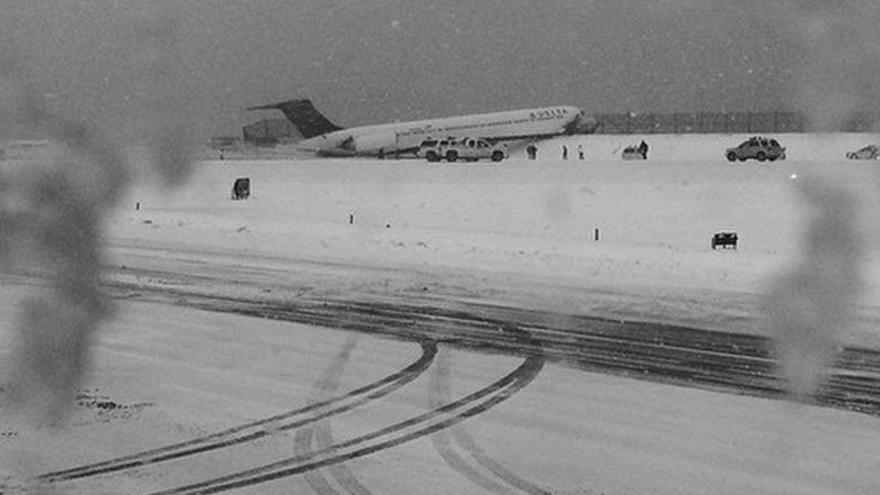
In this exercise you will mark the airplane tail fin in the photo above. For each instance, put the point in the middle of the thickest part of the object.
(304, 116)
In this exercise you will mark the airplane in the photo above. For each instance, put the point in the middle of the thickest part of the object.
(324, 138)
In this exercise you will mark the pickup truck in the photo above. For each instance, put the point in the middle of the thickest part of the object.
(469, 149)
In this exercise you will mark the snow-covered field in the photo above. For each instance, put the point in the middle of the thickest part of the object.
(520, 233)
(534, 221)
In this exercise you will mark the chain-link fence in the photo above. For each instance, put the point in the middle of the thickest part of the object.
(721, 123)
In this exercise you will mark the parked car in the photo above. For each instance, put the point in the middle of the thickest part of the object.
(757, 147)
(870, 152)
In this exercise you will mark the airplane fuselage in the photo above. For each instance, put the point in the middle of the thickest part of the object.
(405, 137)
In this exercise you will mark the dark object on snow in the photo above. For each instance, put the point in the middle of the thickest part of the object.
(870, 152)
(532, 151)
(758, 147)
(725, 240)
(241, 189)
(632, 153)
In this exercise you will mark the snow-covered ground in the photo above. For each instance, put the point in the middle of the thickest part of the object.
(534, 220)
(518, 233)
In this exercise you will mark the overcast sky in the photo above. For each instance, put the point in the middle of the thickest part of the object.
(380, 60)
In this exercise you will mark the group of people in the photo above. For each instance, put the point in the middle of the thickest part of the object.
(532, 151)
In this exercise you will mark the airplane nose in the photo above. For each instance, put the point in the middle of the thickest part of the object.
(583, 124)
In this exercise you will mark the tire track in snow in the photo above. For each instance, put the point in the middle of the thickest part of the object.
(343, 476)
(257, 429)
(323, 436)
(440, 391)
(471, 447)
(712, 359)
(414, 428)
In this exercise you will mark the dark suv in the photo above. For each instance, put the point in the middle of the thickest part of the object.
(759, 148)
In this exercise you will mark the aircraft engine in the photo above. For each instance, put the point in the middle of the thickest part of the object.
(370, 144)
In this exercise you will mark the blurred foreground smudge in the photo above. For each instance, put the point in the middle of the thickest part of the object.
(52, 209)
(810, 305)
(50, 220)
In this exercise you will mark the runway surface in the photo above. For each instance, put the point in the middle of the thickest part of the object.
(725, 362)
(711, 359)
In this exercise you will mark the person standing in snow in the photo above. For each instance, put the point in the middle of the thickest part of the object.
(564, 152)
(532, 151)
(580, 152)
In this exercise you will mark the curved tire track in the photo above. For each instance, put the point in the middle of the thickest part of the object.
(321, 433)
(257, 429)
(323, 437)
(723, 361)
(414, 428)
(343, 476)
(439, 391)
